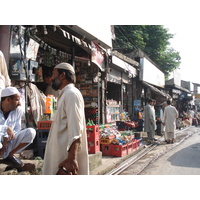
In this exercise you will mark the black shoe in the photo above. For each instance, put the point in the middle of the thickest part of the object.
(26, 167)
(155, 139)
(16, 162)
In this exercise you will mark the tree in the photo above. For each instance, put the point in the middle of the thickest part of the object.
(153, 40)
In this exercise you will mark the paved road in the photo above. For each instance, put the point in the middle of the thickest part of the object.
(182, 158)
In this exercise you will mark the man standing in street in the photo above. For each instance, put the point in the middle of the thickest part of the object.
(170, 115)
(164, 104)
(149, 121)
(66, 149)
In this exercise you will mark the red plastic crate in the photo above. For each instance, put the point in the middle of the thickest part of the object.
(119, 150)
(130, 147)
(92, 129)
(134, 145)
(93, 133)
(105, 149)
(44, 124)
(137, 144)
(93, 146)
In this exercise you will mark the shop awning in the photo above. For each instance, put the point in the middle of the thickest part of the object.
(124, 65)
(156, 90)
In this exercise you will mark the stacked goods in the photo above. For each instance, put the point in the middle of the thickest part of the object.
(108, 134)
(116, 143)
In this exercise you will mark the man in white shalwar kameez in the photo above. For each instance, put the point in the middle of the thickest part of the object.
(66, 146)
(149, 121)
(170, 115)
(162, 119)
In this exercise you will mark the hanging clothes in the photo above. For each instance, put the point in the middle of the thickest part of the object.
(37, 102)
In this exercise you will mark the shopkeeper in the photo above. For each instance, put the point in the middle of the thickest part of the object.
(47, 73)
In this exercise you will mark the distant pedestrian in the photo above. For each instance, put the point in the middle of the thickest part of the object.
(170, 115)
(164, 104)
(149, 121)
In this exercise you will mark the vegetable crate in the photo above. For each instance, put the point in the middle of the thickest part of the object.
(105, 149)
(93, 138)
(44, 124)
(119, 150)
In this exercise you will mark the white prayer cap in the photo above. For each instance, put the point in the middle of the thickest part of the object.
(65, 66)
(8, 91)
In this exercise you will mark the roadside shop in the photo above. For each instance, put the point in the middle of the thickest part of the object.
(34, 50)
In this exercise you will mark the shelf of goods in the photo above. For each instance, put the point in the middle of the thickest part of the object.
(113, 111)
(91, 114)
(89, 90)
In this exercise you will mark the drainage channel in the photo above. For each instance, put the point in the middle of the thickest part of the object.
(124, 165)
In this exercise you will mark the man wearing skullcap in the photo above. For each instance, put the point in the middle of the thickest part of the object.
(13, 139)
(66, 149)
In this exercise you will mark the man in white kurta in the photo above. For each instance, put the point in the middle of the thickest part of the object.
(170, 115)
(68, 126)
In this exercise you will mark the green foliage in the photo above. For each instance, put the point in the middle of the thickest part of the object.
(153, 40)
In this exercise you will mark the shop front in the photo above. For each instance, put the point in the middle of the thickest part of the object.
(119, 94)
(35, 50)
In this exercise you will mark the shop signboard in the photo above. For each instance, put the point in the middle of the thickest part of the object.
(137, 103)
(32, 50)
(97, 56)
(150, 73)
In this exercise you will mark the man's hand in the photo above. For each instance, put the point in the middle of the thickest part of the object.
(10, 133)
(71, 166)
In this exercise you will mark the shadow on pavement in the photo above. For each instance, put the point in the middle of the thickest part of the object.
(187, 157)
